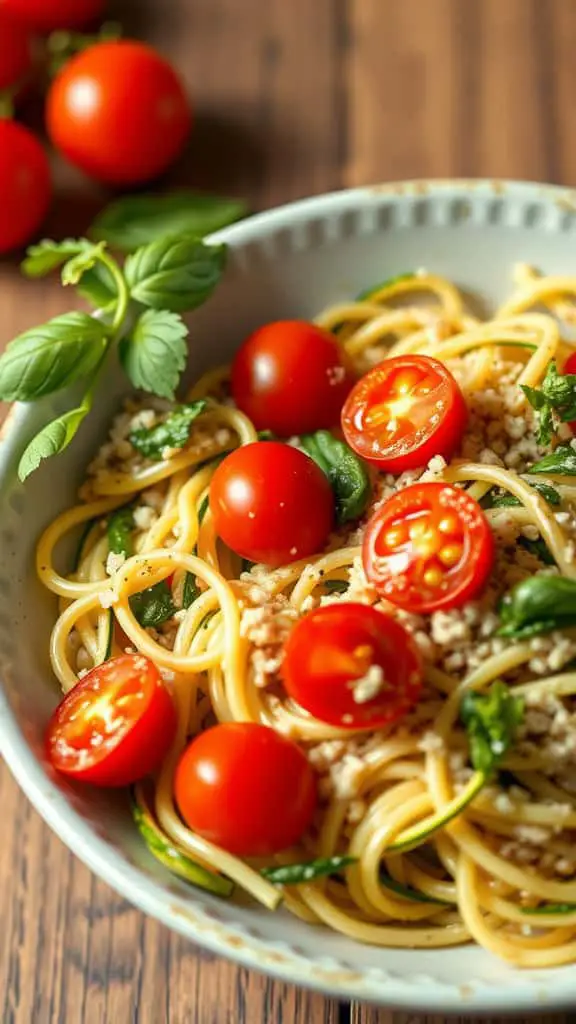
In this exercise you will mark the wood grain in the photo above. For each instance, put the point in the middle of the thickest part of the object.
(291, 99)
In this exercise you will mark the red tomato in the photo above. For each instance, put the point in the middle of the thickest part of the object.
(25, 185)
(570, 367)
(271, 503)
(403, 412)
(119, 112)
(289, 377)
(15, 50)
(47, 15)
(428, 547)
(245, 788)
(115, 726)
(352, 666)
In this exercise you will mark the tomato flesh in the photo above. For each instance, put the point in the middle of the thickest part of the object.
(428, 547)
(352, 666)
(115, 726)
(403, 412)
(108, 128)
(245, 788)
(290, 377)
(25, 185)
(271, 503)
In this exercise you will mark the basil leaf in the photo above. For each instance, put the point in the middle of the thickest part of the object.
(550, 908)
(85, 260)
(335, 586)
(347, 473)
(173, 432)
(491, 720)
(191, 591)
(561, 462)
(154, 355)
(550, 494)
(98, 286)
(52, 440)
(47, 255)
(120, 527)
(50, 357)
(407, 892)
(292, 874)
(388, 283)
(539, 549)
(177, 274)
(133, 221)
(538, 604)
(153, 606)
(556, 396)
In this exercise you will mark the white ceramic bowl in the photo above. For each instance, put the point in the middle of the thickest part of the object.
(289, 262)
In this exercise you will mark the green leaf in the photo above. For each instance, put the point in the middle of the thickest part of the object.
(173, 432)
(177, 274)
(407, 892)
(347, 473)
(47, 255)
(191, 591)
(50, 357)
(536, 605)
(137, 220)
(52, 440)
(550, 908)
(550, 494)
(153, 606)
(120, 528)
(75, 267)
(388, 283)
(335, 586)
(98, 286)
(203, 508)
(539, 549)
(491, 720)
(110, 635)
(561, 462)
(293, 874)
(154, 355)
(555, 397)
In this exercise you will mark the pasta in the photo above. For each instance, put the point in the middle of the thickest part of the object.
(502, 870)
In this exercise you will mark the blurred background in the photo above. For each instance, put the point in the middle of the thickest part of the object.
(289, 98)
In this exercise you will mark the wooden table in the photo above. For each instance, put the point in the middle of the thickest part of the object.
(293, 97)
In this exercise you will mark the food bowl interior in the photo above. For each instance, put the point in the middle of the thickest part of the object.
(290, 263)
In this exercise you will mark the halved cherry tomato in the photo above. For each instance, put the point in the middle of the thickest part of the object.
(352, 666)
(246, 788)
(115, 726)
(271, 503)
(48, 15)
(15, 50)
(25, 185)
(118, 111)
(428, 547)
(290, 377)
(570, 367)
(403, 412)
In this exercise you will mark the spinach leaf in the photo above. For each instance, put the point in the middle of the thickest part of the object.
(347, 473)
(292, 874)
(153, 606)
(191, 591)
(536, 605)
(561, 462)
(491, 720)
(120, 527)
(173, 432)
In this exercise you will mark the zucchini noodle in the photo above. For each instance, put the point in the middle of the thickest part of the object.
(414, 883)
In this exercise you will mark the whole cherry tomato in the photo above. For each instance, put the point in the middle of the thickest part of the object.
(570, 367)
(47, 15)
(115, 726)
(246, 788)
(428, 547)
(271, 503)
(290, 377)
(403, 412)
(352, 666)
(118, 111)
(15, 50)
(25, 185)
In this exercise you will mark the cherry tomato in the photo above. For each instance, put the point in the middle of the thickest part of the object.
(119, 112)
(15, 50)
(289, 377)
(245, 788)
(428, 547)
(115, 726)
(47, 15)
(25, 185)
(271, 503)
(403, 412)
(352, 666)
(570, 367)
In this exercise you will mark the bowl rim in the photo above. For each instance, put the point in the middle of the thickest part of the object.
(337, 980)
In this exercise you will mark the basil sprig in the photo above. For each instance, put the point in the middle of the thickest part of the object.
(294, 874)
(491, 720)
(347, 473)
(539, 604)
(172, 432)
(168, 276)
(554, 401)
(132, 221)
